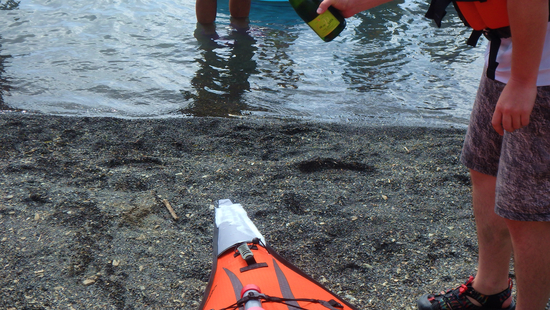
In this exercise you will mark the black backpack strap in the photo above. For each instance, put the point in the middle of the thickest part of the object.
(493, 51)
(474, 37)
(436, 11)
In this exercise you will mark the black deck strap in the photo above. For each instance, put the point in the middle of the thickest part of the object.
(253, 266)
(250, 261)
(493, 51)
(290, 302)
(331, 305)
(327, 305)
(334, 303)
(436, 10)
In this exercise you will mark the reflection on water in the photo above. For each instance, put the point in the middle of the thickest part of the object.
(4, 86)
(9, 5)
(150, 59)
(225, 65)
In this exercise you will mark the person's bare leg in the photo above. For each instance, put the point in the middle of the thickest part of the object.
(206, 11)
(495, 247)
(240, 24)
(240, 8)
(531, 242)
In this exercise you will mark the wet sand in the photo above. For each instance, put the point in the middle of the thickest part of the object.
(379, 215)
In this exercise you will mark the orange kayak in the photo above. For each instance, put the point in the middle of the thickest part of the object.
(248, 274)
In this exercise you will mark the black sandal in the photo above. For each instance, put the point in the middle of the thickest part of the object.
(455, 299)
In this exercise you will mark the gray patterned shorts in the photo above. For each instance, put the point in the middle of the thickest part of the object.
(520, 160)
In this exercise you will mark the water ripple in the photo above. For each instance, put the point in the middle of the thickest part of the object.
(130, 58)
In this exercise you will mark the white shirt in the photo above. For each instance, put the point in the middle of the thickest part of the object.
(504, 59)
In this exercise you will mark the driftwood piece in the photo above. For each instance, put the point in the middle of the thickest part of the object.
(170, 209)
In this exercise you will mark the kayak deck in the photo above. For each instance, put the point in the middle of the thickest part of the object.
(253, 262)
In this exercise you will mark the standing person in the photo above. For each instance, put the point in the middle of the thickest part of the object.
(206, 10)
(507, 149)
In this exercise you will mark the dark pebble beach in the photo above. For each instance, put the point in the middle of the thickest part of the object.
(379, 215)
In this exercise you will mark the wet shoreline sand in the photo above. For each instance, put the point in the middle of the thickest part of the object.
(379, 215)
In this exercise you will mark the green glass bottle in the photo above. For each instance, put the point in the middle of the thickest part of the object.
(327, 25)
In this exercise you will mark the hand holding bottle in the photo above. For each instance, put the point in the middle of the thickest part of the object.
(327, 25)
(349, 8)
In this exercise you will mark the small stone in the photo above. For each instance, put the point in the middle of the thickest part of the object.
(88, 282)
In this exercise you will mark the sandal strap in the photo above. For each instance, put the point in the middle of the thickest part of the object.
(491, 301)
(456, 298)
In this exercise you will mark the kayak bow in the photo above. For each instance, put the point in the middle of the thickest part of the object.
(248, 274)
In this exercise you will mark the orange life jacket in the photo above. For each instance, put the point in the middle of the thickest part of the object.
(489, 17)
(481, 15)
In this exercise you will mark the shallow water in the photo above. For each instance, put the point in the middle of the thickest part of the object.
(131, 58)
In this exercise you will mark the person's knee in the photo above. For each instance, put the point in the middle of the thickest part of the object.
(527, 231)
(482, 179)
